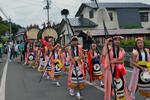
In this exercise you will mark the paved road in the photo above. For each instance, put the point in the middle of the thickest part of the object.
(4, 58)
(22, 84)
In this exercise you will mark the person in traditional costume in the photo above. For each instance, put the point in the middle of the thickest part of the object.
(56, 65)
(118, 70)
(48, 61)
(31, 54)
(102, 59)
(75, 55)
(95, 65)
(66, 64)
(85, 60)
(141, 64)
(38, 51)
(42, 56)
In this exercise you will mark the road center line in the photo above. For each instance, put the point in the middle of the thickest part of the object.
(3, 82)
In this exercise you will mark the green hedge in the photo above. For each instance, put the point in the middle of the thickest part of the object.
(132, 42)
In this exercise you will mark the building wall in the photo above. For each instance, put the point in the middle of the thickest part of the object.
(146, 24)
(20, 37)
(111, 25)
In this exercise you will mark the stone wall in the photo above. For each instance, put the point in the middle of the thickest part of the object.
(128, 50)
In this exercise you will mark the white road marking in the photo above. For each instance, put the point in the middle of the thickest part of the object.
(3, 82)
(98, 87)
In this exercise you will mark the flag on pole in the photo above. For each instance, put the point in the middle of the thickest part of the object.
(88, 34)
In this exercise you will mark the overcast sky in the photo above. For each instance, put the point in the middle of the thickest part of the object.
(26, 12)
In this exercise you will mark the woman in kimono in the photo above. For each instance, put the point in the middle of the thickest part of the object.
(140, 63)
(56, 65)
(118, 70)
(75, 53)
(94, 65)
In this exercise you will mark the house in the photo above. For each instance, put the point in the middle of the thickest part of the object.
(78, 24)
(20, 34)
(99, 35)
(120, 14)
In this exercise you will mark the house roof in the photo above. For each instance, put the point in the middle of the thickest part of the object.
(120, 31)
(113, 5)
(81, 22)
(78, 22)
(21, 30)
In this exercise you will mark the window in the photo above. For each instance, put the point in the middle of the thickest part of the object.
(91, 15)
(111, 16)
(144, 17)
(81, 16)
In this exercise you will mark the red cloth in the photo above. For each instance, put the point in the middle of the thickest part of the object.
(120, 70)
(90, 65)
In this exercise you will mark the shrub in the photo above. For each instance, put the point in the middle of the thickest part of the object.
(5, 40)
(132, 42)
(130, 26)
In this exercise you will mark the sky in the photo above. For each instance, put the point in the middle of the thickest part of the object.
(26, 12)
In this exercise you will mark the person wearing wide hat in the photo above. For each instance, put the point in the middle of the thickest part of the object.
(75, 55)
(118, 70)
(141, 64)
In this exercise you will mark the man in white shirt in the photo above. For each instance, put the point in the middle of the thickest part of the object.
(9, 51)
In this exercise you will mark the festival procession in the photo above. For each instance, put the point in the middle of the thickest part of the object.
(99, 57)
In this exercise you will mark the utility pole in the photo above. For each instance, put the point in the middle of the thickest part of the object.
(47, 7)
(10, 28)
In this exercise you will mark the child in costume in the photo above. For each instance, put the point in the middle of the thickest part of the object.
(140, 63)
(48, 62)
(118, 70)
(94, 65)
(85, 60)
(56, 65)
(102, 60)
(31, 54)
(66, 64)
(75, 54)
(38, 51)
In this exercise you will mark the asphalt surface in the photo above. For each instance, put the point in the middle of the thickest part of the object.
(22, 84)
(4, 58)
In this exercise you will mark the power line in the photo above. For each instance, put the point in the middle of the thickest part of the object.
(24, 6)
(28, 3)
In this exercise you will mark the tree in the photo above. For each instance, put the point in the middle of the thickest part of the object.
(5, 40)
(3, 27)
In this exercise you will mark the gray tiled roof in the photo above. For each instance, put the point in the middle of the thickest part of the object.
(113, 5)
(81, 22)
(119, 5)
